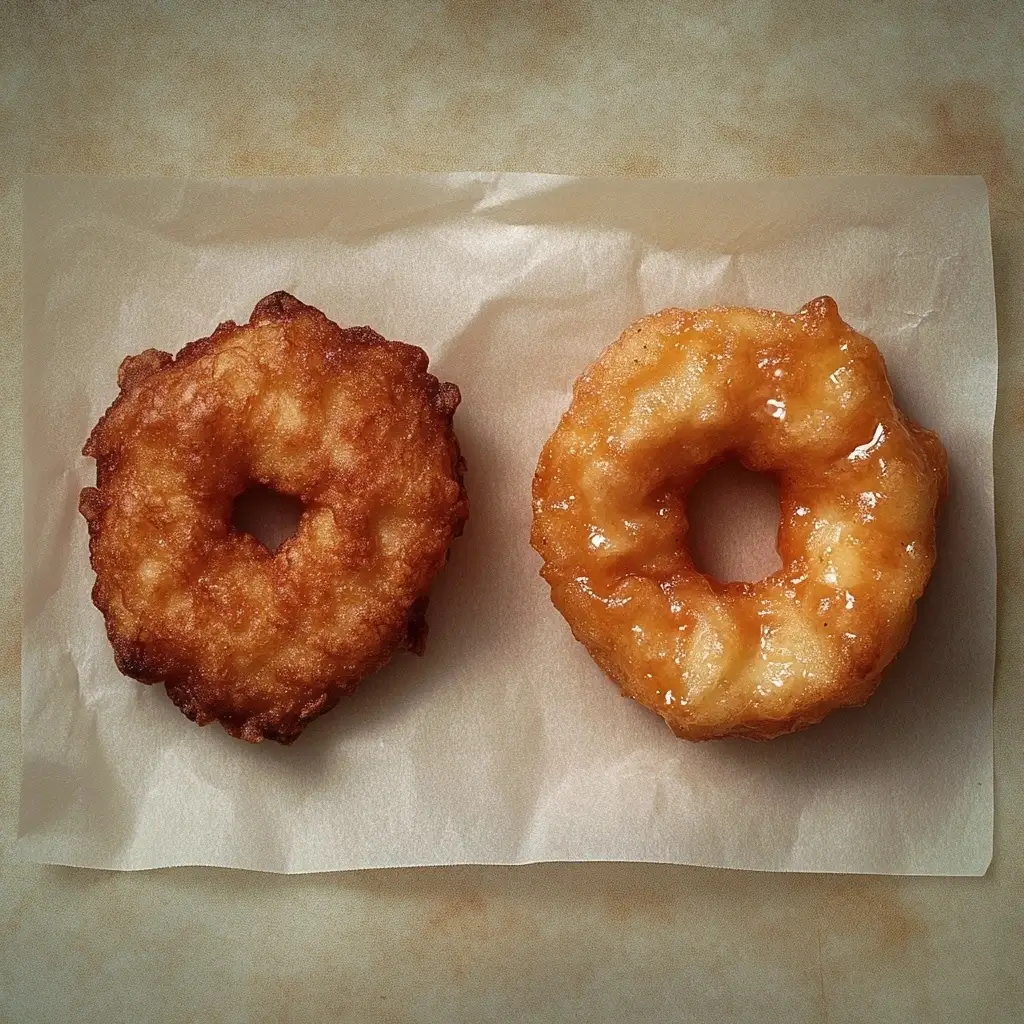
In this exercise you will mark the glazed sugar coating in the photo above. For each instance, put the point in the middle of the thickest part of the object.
(348, 422)
(804, 397)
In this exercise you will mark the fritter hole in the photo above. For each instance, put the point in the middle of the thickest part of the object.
(267, 515)
(734, 523)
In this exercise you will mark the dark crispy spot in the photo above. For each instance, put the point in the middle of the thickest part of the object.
(135, 369)
(363, 336)
(91, 504)
(277, 306)
(448, 399)
(416, 630)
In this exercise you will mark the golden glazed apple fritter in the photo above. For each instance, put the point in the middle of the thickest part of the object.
(804, 397)
(347, 422)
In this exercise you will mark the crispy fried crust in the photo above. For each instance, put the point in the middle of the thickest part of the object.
(802, 396)
(341, 418)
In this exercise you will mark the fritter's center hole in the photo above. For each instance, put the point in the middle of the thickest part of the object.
(734, 524)
(267, 515)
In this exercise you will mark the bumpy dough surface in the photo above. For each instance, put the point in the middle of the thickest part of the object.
(804, 397)
(346, 421)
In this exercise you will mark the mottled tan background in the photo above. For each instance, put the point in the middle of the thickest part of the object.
(686, 90)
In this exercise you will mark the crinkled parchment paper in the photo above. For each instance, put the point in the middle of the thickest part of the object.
(505, 743)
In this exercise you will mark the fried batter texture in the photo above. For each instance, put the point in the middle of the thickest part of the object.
(803, 397)
(349, 423)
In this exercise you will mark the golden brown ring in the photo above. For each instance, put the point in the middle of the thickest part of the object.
(804, 397)
(344, 420)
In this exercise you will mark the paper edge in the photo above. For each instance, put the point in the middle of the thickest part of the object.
(36, 183)
(978, 870)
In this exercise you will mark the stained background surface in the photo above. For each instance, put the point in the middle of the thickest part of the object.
(602, 89)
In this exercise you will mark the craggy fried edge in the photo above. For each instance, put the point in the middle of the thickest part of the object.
(134, 659)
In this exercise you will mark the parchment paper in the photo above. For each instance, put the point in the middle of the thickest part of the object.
(505, 744)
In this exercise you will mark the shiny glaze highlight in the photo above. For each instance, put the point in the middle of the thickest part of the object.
(804, 397)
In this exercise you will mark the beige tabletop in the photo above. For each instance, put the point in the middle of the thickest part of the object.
(674, 90)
